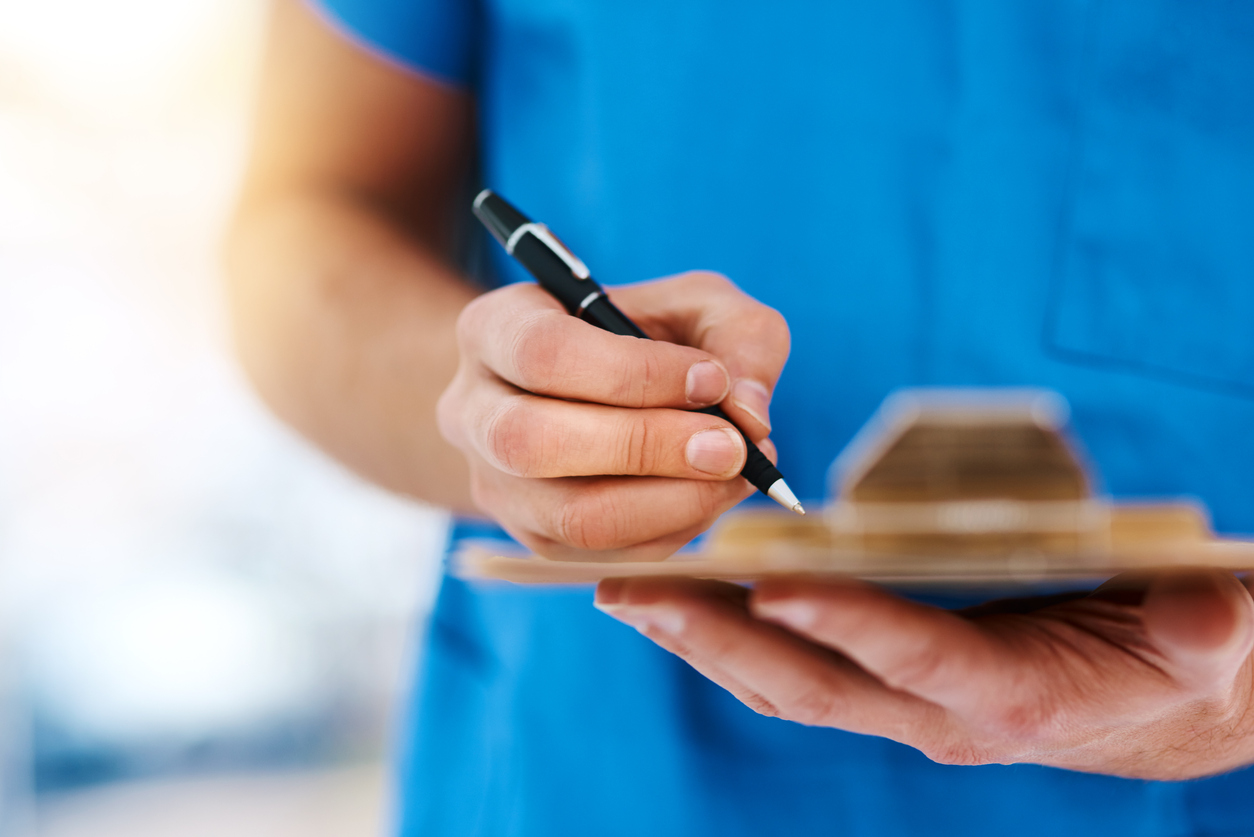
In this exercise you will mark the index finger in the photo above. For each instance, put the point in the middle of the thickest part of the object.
(771, 670)
(524, 336)
(926, 651)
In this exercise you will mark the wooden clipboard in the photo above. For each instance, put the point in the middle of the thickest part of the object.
(942, 488)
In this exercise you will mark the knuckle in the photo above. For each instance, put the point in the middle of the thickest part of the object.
(448, 415)
(1023, 722)
(817, 706)
(635, 452)
(470, 322)
(637, 377)
(759, 704)
(769, 329)
(778, 325)
(586, 521)
(703, 502)
(957, 754)
(711, 280)
(534, 354)
(509, 439)
(923, 668)
(707, 504)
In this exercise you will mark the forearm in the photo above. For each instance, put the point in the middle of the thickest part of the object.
(346, 327)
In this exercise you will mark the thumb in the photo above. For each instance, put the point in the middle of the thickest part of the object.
(1203, 623)
(708, 312)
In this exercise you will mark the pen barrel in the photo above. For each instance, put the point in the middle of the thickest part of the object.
(582, 297)
(604, 314)
(758, 469)
(497, 214)
(553, 274)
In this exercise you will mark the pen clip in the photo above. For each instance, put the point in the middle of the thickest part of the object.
(551, 241)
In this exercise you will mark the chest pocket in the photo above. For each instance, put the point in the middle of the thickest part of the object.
(1156, 273)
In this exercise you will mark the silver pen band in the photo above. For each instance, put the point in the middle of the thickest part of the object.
(540, 231)
(587, 300)
(512, 242)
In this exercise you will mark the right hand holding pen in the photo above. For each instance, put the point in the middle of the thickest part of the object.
(583, 441)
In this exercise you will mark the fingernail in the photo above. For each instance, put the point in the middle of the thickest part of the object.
(645, 619)
(707, 383)
(791, 613)
(753, 398)
(718, 452)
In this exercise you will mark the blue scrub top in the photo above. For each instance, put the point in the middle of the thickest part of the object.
(934, 193)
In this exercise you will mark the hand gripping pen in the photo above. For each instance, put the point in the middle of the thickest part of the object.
(562, 274)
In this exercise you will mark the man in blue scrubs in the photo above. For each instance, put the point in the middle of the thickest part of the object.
(1054, 195)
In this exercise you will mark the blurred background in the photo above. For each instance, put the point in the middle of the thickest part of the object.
(204, 624)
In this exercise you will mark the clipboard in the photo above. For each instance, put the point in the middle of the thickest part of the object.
(943, 488)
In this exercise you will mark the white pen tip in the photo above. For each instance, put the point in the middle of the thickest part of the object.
(782, 494)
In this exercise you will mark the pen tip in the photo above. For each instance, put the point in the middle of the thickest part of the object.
(782, 494)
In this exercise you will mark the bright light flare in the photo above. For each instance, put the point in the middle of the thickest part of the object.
(102, 54)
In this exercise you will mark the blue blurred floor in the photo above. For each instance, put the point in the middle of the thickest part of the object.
(343, 802)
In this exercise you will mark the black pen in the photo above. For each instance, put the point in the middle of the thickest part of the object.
(562, 274)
